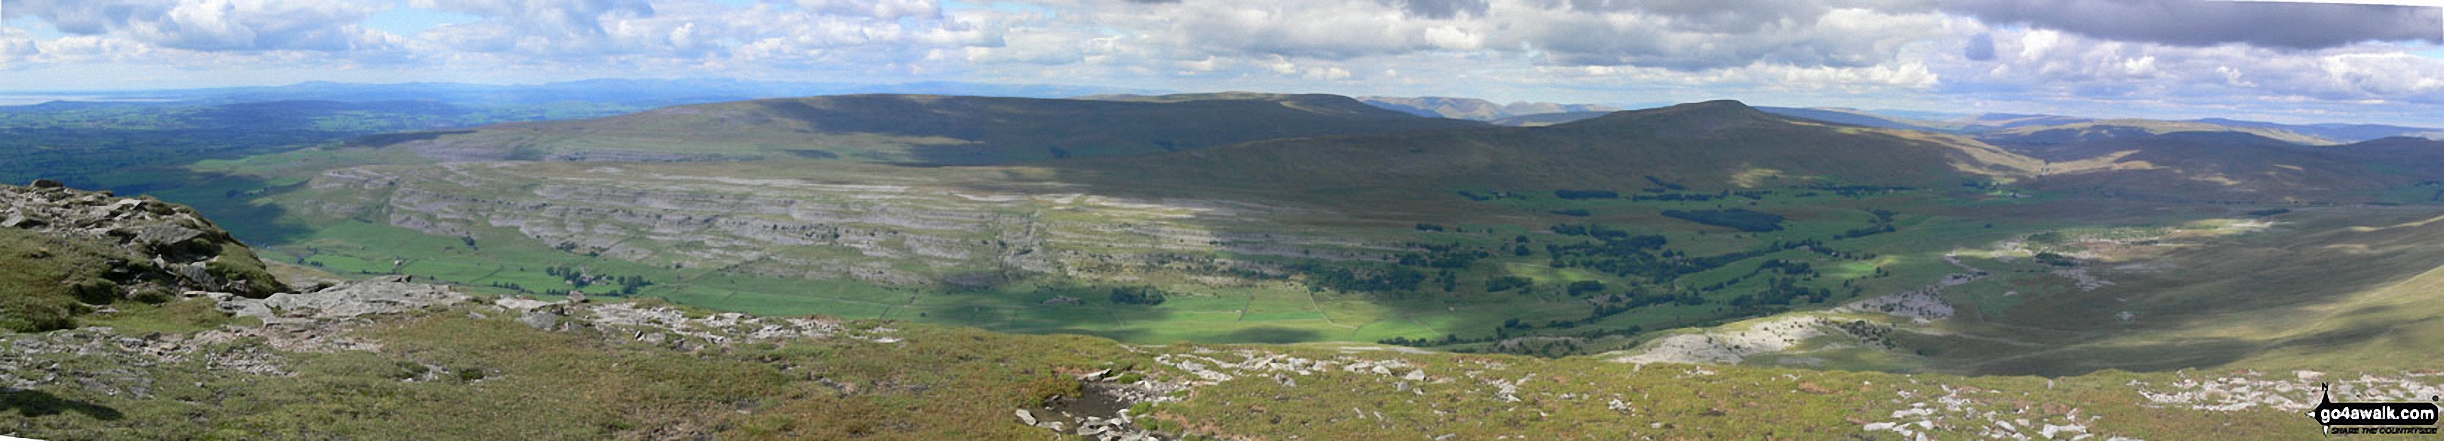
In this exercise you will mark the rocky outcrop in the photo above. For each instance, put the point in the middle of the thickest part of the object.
(348, 300)
(160, 248)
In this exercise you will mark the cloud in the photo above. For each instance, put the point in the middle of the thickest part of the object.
(215, 25)
(534, 26)
(2045, 65)
(1981, 48)
(2203, 23)
(886, 9)
(15, 45)
(1684, 35)
(1846, 37)
(2122, 52)
(1440, 9)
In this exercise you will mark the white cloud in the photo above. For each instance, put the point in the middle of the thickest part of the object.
(15, 45)
(1573, 50)
(215, 25)
(2055, 65)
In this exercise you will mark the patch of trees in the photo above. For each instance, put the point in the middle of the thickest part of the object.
(1675, 197)
(1448, 339)
(1429, 227)
(1857, 190)
(1786, 267)
(1138, 295)
(2269, 212)
(2050, 258)
(1595, 231)
(1486, 196)
(1586, 194)
(1506, 283)
(627, 285)
(1615, 304)
(1743, 220)
(1882, 224)
(1644, 256)
(1450, 256)
(1783, 291)
(1321, 275)
(1583, 287)
(1628, 256)
(1578, 212)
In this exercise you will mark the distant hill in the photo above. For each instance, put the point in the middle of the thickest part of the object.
(1476, 109)
(2220, 166)
(1705, 146)
(2326, 133)
(2337, 132)
(2053, 134)
(1546, 119)
(1854, 117)
(1988, 122)
(928, 129)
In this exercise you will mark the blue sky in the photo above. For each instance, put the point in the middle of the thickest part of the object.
(2129, 58)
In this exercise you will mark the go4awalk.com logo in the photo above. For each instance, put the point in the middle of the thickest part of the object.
(2373, 418)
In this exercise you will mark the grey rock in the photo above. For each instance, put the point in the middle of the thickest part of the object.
(540, 319)
(165, 234)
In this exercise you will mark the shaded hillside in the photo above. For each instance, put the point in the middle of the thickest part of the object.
(927, 130)
(2417, 157)
(1706, 146)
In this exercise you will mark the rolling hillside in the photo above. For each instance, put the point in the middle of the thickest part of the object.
(922, 129)
(1707, 146)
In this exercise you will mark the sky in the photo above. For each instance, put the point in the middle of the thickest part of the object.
(2112, 58)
